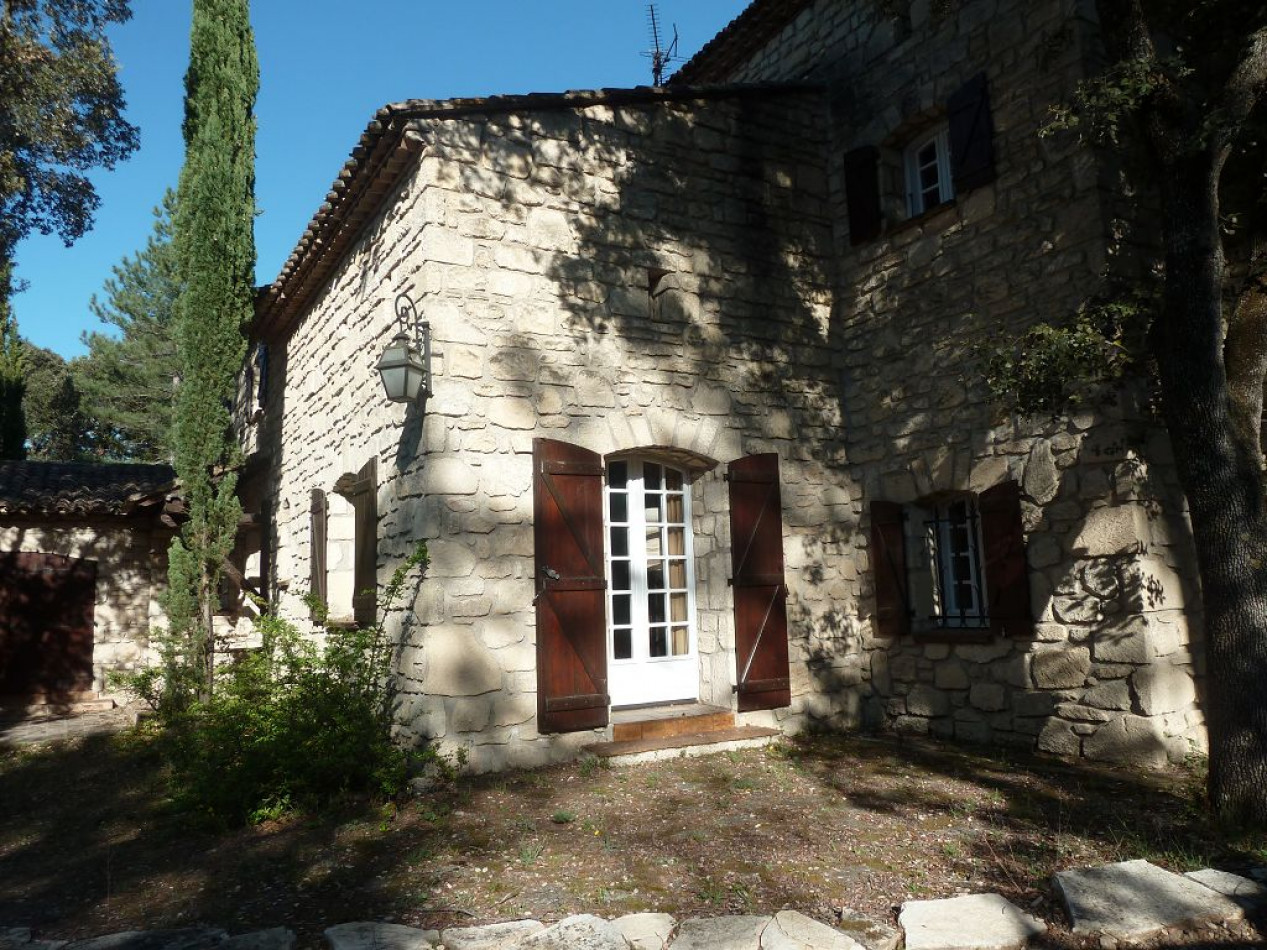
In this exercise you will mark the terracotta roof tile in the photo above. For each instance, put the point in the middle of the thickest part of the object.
(746, 34)
(82, 488)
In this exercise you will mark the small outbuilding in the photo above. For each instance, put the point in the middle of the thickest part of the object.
(83, 560)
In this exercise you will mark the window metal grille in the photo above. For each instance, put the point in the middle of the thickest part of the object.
(958, 580)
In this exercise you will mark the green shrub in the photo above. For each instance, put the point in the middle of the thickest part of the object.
(289, 725)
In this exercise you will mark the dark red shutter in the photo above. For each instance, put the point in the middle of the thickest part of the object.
(319, 512)
(1006, 576)
(47, 603)
(756, 537)
(888, 568)
(971, 135)
(364, 498)
(567, 505)
(862, 193)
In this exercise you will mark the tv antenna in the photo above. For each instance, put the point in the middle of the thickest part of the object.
(660, 56)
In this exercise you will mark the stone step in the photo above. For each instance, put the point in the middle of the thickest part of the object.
(26, 709)
(660, 722)
(633, 751)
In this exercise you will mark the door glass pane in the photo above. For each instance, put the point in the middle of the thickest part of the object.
(672, 479)
(620, 575)
(655, 607)
(620, 542)
(651, 508)
(677, 608)
(618, 506)
(654, 547)
(617, 474)
(622, 644)
(620, 609)
(658, 642)
(681, 641)
(677, 541)
(677, 575)
(655, 575)
(651, 476)
(674, 504)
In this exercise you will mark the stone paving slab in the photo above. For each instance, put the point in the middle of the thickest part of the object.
(971, 922)
(490, 937)
(1132, 900)
(646, 931)
(370, 935)
(721, 933)
(792, 930)
(1244, 892)
(580, 932)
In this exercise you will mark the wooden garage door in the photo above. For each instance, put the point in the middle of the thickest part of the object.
(46, 624)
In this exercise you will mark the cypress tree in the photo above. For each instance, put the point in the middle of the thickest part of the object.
(215, 249)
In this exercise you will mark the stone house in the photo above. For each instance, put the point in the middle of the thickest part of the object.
(703, 423)
(83, 561)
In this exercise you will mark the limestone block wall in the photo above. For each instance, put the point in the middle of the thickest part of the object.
(131, 563)
(1114, 672)
(650, 277)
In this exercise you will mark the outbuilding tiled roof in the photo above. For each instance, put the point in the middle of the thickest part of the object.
(759, 23)
(83, 488)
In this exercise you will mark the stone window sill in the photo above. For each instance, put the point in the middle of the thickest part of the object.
(924, 217)
(954, 635)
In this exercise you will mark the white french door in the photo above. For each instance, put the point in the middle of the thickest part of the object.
(651, 649)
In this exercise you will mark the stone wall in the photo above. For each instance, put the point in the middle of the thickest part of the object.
(644, 277)
(1114, 670)
(676, 277)
(131, 563)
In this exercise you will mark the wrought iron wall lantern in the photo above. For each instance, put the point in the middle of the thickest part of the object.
(405, 366)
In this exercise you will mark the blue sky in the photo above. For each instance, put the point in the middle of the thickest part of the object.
(325, 67)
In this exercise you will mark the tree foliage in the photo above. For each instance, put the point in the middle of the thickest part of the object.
(128, 379)
(61, 113)
(57, 427)
(215, 251)
(1180, 107)
(12, 377)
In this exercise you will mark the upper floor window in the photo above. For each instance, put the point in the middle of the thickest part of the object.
(927, 167)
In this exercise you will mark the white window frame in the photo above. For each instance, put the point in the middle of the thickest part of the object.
(939, 138)
(636, 524)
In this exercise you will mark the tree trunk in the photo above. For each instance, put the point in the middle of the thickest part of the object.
(1223, 480)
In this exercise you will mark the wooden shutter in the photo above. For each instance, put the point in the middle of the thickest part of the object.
(1006, 576)
(364, 498)
(756, 537)
(318, 514)
(971, 135)
(888, 567)
(569, 571)
(862, 193)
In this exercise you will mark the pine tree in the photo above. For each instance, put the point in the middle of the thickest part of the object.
(128, 380)
(215, 250)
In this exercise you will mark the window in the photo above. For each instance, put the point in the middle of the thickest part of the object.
(651, 585)
(944, 161)
(952, 564)
(344, 548)
(927, 166)
(952, 550)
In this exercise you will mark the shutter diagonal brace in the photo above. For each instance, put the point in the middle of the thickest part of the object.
(756, 524)
(600, 682)
(752, 654)
(595, 571)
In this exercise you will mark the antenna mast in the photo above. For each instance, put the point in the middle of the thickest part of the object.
(660, 57)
